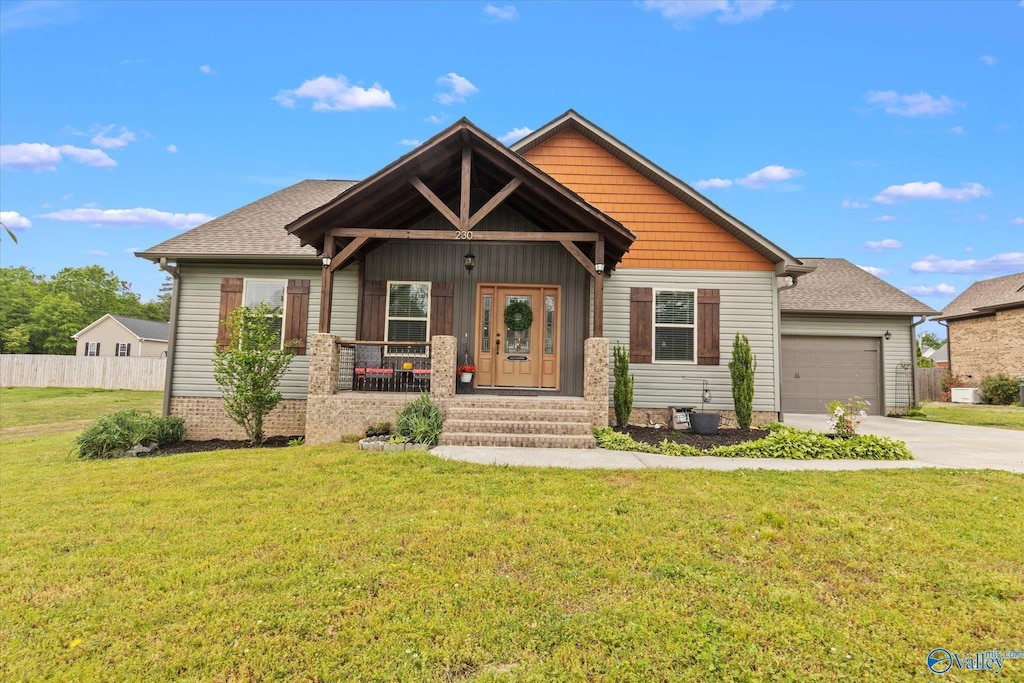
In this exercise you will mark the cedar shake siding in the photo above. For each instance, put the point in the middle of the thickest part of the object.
(670, 234)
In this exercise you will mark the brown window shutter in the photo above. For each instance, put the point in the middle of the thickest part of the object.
(442, 297)
(708, 305)
(297, 310)
(641, 318)
(230, 299)
(371, 324)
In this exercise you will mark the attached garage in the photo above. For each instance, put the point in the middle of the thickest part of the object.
(818, 370)
(846, 333)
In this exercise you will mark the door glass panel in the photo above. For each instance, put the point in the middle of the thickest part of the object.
(518, 341)
(549, 325)
(485, 333)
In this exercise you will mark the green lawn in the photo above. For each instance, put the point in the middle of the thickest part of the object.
(326, 563)
(54, 409)
(1008, 417)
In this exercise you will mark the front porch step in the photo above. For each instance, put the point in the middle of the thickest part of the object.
(517, 440)
(482, 426)
(524, 422)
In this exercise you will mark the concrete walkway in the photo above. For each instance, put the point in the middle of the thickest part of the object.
(933, 445)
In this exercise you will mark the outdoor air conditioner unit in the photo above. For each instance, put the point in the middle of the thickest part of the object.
(966, 395)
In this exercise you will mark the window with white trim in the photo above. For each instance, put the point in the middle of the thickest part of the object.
(92, 348)
(122, 350)
(675, 326)
(408, 316)
(271, 293)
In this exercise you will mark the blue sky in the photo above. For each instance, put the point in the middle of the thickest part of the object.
(890, 134)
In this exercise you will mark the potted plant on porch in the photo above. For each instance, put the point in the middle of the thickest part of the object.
(466, 371)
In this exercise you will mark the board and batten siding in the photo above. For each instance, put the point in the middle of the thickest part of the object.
(894, 351)
(199, 310)
(747, 307)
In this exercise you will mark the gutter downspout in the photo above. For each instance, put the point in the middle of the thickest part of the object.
(913, 361)
(172, 333)
(778, 341)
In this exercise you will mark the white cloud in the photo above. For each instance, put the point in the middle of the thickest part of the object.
(435, 119)
(336, 94)
(916, 104)
(139, 217)
(1018, 220)
(988, 60)
(97, 252)
(968, 249)
(1000, 263)
(884, 244)
(15, 16)
(957, 130)
(683, 12)
(503, 13)
(208, 70)
(39, 156)
(410, 142)
(101, 139)
(941, 289)
(14, 220)
(885, 219)
(713, 184)
(932, 190)
(173, 149)
(847, 204)
(459, 88)
(877, 272)
(131, 250)
(515, 134)
(769, 174)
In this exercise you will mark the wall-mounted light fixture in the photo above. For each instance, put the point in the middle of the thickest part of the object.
(888, 335)
(599, 267)
(469, 260)
(326, 260)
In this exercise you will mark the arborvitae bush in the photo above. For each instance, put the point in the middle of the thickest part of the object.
(623, 392)
(742, 368)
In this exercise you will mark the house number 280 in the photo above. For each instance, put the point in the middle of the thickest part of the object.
(463, 234)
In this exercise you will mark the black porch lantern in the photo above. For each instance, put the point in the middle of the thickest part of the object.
(469, 260)
(888, 335)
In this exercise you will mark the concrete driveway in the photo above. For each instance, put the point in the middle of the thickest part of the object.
(940, 445)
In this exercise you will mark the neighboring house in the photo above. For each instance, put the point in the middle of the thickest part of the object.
(116, 335)
(440, 252)
(986, 329)
(847, 333)
(939, 356)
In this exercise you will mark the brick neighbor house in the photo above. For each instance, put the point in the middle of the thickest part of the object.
(986, 329)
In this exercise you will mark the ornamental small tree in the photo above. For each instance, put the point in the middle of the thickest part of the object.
(250, 368)
(742, 367)
(623, 393)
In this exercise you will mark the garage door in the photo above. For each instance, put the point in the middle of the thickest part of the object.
(819, 370)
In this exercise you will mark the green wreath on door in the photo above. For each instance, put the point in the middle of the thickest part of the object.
(518, 316)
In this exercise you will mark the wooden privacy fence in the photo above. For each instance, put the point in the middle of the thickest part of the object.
(927, 383)
(82, 371)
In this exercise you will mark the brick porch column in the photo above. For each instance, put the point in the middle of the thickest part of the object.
(595, 379)
(323, 364)
(442, 367)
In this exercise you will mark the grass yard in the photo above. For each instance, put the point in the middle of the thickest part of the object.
(26, 412)
(327, 563)
(1007, 417)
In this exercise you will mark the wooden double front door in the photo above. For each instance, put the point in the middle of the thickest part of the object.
(507, 356)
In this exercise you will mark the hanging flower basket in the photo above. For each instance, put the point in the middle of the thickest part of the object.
(518, 316)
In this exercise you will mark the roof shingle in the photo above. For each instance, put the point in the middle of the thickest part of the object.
(256, 229)
(999, 292)
(838, 286)
(144, 329)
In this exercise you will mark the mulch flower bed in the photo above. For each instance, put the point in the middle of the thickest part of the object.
(724, 437)
(221, 445)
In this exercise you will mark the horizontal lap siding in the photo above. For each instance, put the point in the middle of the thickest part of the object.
(746, 307)
(894, 351)
(199, 310)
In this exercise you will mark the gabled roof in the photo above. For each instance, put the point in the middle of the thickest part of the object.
(145, 330)
(985, 297)
(255, 231)
(785, 262)
(838, 286)
(387, 198)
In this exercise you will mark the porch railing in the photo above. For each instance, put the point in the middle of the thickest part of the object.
(380, 366)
